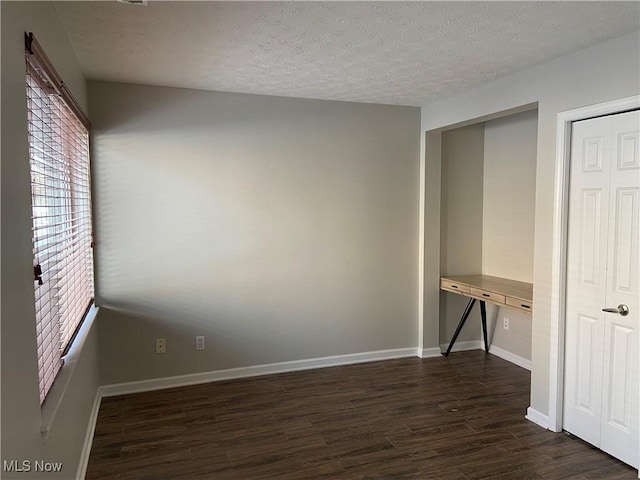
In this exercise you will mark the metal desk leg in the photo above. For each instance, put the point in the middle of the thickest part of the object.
(466, 313)
(483, 313)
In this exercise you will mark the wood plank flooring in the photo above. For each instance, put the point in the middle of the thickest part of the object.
(455, 418)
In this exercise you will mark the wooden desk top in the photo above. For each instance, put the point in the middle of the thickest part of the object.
(501, 291)
(503, 286)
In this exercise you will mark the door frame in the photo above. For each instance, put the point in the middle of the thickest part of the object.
(559, 238)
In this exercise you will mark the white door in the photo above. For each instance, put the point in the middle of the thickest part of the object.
(601, 351)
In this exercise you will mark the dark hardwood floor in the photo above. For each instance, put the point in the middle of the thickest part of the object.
(460, 417)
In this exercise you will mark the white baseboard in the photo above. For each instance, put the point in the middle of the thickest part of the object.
(510, 357)
(538, 418)
(88, 438)
(254, 371)
(429, 352)
(462, 346)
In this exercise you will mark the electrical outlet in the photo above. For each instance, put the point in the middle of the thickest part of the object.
(200, 343)
(161, 345)
(505, 323)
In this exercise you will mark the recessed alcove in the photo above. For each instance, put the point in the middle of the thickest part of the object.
(487, 207)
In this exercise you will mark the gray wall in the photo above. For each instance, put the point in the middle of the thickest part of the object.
(509, 196)
(461, 224)
(278, 228)
(21, 413)
(597, 74)
(508, 218)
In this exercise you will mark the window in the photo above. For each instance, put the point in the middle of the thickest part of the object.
(61, 212)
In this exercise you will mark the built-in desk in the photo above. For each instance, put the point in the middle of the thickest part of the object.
(484, 288)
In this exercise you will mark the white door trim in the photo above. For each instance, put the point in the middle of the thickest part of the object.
(559, 267)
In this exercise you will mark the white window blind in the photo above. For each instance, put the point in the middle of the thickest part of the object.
(61, 214)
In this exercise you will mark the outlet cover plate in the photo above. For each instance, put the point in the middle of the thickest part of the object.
(161, 345)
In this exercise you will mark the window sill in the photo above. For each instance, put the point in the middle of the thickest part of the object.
(56, 395)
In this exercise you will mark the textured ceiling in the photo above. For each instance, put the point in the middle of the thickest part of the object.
(404, 53)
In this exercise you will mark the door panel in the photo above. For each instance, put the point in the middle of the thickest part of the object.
(628, 145)
(593, 154)
(586, 278)
(589, 262)
(619, 411)
(626, 241)
(587, 386)
(619, 435)
(602, 365)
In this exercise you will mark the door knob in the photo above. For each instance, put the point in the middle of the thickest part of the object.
(621, 309)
